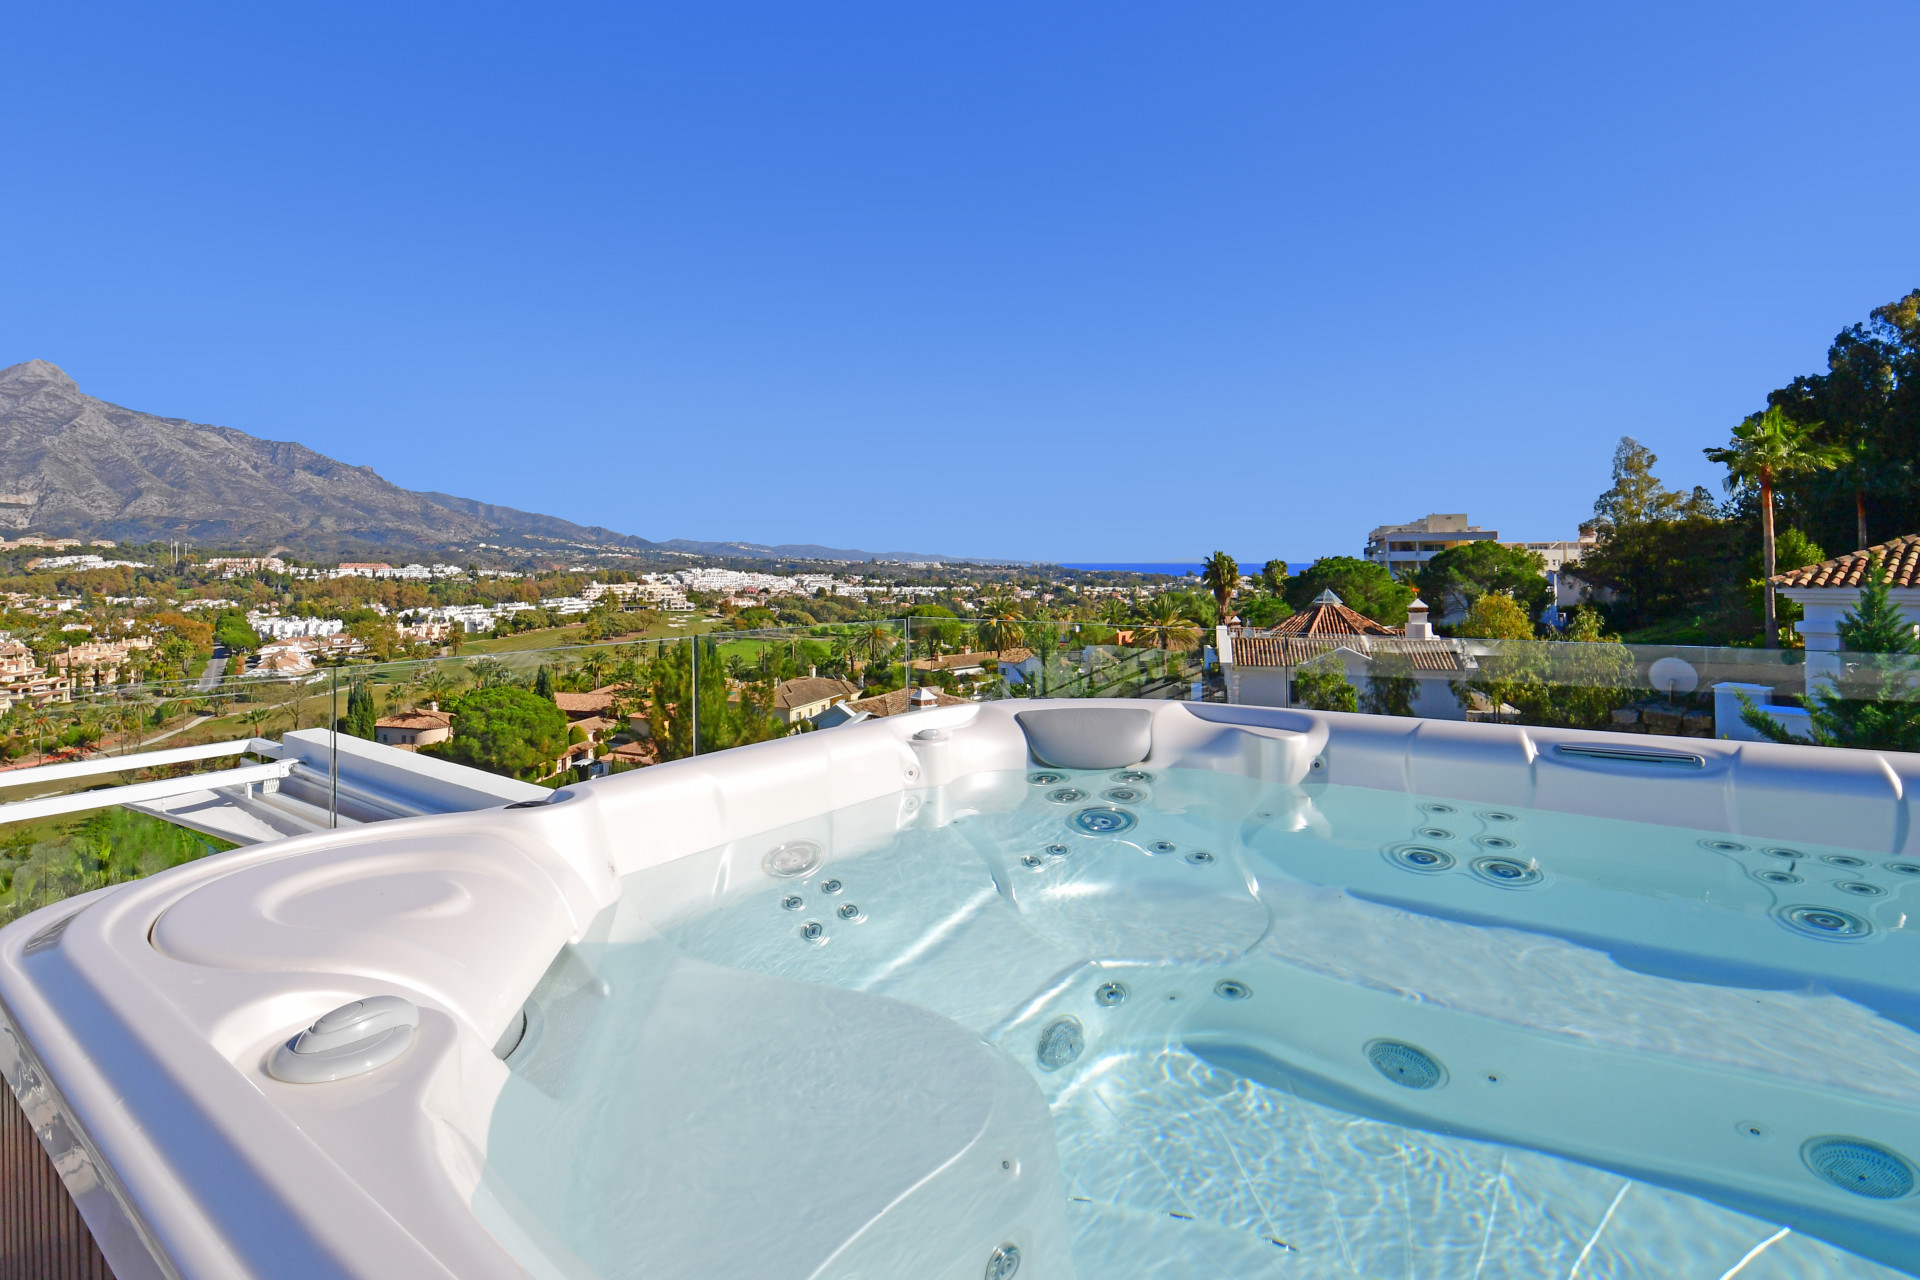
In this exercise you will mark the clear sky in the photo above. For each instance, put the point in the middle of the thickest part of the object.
(1114, 281)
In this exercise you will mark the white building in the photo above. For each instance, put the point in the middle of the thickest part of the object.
(275, 627)
(1558, 555)
(1404, 548)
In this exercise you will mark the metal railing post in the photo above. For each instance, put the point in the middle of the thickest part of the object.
(333, 748)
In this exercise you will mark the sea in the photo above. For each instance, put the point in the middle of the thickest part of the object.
(1176, 568)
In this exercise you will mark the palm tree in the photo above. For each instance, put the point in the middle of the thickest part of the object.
(1000, 622)
(1767, 448)
(42, 722)
(875, 640)
(1165, 612)
(1222, 577)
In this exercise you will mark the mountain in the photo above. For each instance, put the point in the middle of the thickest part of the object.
(75, 466)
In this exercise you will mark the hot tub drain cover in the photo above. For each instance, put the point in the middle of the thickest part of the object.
(1103, 822)
(1060, 1043)
(1003, 1262)
(1861, 1167)
(1406, 1065)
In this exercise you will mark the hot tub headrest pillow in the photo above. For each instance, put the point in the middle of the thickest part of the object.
(1088, 737)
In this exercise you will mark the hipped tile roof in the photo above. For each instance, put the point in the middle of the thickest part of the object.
(806, 690)
(1332, 620)
(1903, 567)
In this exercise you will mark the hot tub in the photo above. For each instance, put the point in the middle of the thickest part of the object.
(1047, 989)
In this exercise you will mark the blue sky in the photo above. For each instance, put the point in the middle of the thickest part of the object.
(1078, 281)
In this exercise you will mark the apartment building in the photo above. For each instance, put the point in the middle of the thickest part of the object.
(1404, 548)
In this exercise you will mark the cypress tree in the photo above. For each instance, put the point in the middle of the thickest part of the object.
(543, 682)
(361, 712)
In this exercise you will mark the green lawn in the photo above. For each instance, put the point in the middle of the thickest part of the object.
(554, 637)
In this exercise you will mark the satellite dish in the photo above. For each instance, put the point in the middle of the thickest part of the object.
(1673, 675)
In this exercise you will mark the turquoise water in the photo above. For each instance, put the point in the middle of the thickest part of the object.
(1279, 1031)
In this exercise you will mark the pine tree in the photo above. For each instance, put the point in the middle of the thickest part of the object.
(1883, 712)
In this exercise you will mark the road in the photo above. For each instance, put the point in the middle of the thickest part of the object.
(216, 667)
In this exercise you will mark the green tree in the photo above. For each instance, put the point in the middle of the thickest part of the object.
(1576, 680)
(362, 711)
(1637, 496)
(176, 654)
(1222, 577)
(543, 682)
(1265, 611)
(722, 723)
(1869, 402)
(1323, 685)
(1767, 447)
(1363, 586)
(1391, 685)
(1495, 616)
(1273, 577)
(1458, 577)
(506, 730)
(1675, 581)
(1509, 670)
(379, 634)
(1167, 614)
(1875, 704)
(231, 629)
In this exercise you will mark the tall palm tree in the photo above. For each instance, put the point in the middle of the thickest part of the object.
(1767, 448)
(1222, 577)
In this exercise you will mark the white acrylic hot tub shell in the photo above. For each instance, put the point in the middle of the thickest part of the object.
(143, 1028)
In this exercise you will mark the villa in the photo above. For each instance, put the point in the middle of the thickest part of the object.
(1260, 665)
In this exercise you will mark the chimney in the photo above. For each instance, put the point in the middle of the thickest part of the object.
(922, 699)
(812, 672)
(1418, 628)
(434, 705)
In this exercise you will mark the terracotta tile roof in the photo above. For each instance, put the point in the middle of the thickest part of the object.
(895, 703)
(1424, 655)
(594, 724)
(1290, 651)
(580, 704)
(1013, 655)
(415, 720)
(804, 691)
(1903, 567)
(956, 661)
(1332, 619)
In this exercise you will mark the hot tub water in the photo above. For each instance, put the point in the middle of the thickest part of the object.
(1283, 1031)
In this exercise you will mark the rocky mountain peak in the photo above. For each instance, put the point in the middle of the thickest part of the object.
(32, 374)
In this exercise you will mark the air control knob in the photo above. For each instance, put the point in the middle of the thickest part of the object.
(349, 1041)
